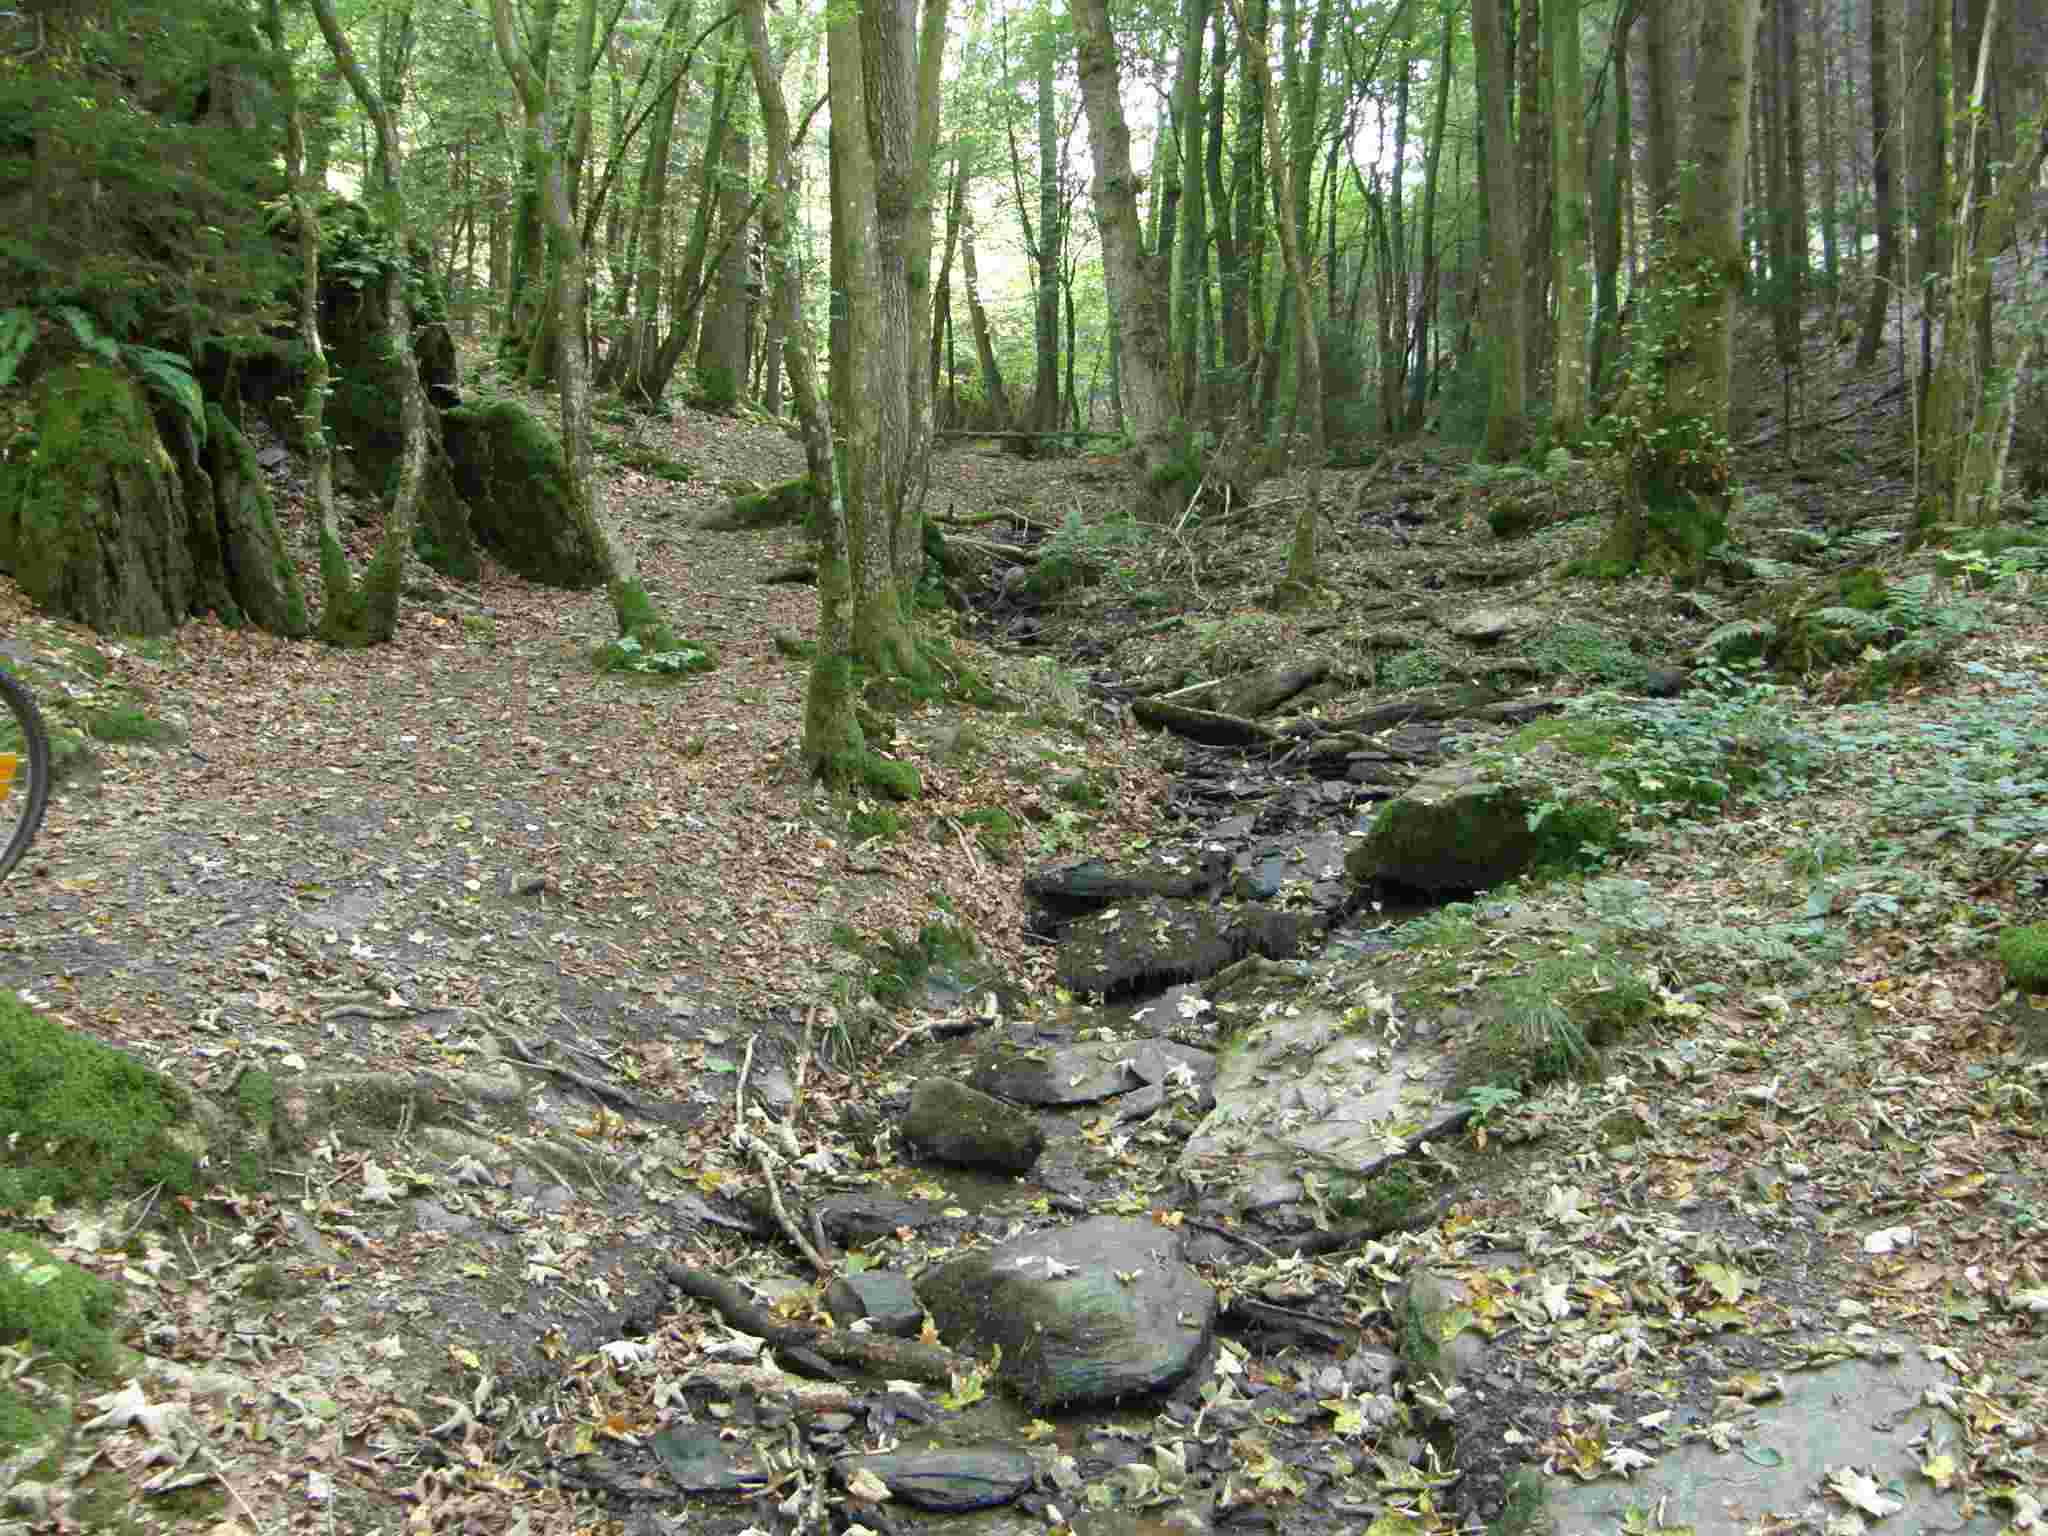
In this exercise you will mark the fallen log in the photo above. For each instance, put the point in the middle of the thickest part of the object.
(1203, 725)
(1252, 694)
(880, 1352)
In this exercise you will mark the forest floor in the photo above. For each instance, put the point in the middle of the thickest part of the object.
(413, 863)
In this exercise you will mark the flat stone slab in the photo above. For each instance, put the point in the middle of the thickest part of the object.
(1493, 622)
(1087, 1073)
(1312, 1093)
(1853, 1430)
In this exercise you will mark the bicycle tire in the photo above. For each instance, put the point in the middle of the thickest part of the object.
(25, 769)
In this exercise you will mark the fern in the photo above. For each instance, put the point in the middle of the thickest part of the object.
(1861, 625)
(1910, 602)
(17, 332)
(89, 335)
(171, 376)
(1738, 638)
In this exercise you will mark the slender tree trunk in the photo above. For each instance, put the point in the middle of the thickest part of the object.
(1791, 89)
(1506, 423)
(1248, 205)
(942, 289)
(1302, 573)
(1425, 302)
(1194, 213)
(722, 344)
(1830, 177)
(631, 605)
(1532, 127)
(1135, 282)
(1886, 208)
(1936, 196)
(1613, 196)
(1045, 385)
(929, 78)
(1218, 207)
(832, 741)
(977, 317)
(1568, 116)
(527, 296)
(644, 338)
(340, 600)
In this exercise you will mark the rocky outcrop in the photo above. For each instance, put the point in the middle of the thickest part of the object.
(509, 468)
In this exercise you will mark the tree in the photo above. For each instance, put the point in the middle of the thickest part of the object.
(1568, 173)
(1136, 283)
(634, 610)
(1886, 274)
(369, 614)
(1674, 428)
(1506, 423)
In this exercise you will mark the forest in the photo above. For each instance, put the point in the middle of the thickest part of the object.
(870, 768)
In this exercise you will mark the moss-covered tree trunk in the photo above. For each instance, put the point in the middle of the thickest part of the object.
(373, 616)
(1677, 432)
(337, 582)
(634, 609)
(1568, 225)
(832, 734)
(1966, 429)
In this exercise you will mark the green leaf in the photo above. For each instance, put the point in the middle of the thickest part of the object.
(171, 376)
(17, 332)
(88, 333)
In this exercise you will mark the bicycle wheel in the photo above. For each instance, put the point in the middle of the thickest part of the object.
(24, 772)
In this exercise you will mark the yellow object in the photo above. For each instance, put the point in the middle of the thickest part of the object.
(7, 762)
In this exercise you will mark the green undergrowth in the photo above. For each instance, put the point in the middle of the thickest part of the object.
(1549, 1017)
(130, 724)
(995, 830)
(627, 654)
(2023, 951)
(89, 1122)
(897, 964)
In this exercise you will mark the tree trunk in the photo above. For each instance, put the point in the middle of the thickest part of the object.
(1568, 115)
(1165, 466)
(1532, 127)
(526, 296)
(1045, 387)
(1830, 179)
(1791, 85)
(340, 598)
(1301, 576)
(977, 318)
(686, 284)
(1660, 44)
(644, 338)
(1886, 209)
(1935, 199)
(875, 417)
(1677, 455)
(1218, 209)
(1425, 301)
(928, 75)
(1506, 423)
(631, 606)
(832, 742)
(942, 289)
(1966, 430)
(376, 620)
(1614, 193)
(722, 345)
(1193, 214)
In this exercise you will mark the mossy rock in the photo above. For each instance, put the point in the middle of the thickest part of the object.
(1511, 516)
(509, 467)
(2024, 953)
(777, 506)
(94, 522)
(260, 574)
(1471, 824)
(92, 1121)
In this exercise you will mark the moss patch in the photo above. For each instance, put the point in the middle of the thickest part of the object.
(508, 465)
(130, 723)
(91, 1121)
(57, 1308)
(2024, 953)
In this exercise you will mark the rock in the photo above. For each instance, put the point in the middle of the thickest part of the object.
(950, 1482)
(508, 465)
(1466, 825)
(1439, 1335)
(775, 506)
(1854, 1419)
(882, 1298)
(1086, 1074)
(1067, 891)
(1092, 1313)
(1313, 1091)
(1253, 693)
(259, 572)
(701, 1461)
(855, 1221)
(1666, 682)
(958, 1124)
(1482, 626)
(1160, 941)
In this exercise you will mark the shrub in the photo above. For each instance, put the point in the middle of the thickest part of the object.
(2024, 952)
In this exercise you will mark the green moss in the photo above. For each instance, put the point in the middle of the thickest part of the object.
(657, 465)
(995, 830)
(91, 1121)
(1528, 1499)
(1388, 1202)
(508, 465)
(860, 768)
(1598, 568)
(129, 723)
(1082, 791)
(2024, 953)
(1583, 735)
(717, 388)
(1551, 1017)
(57, 1308)
(1863, 588)
(873, 823)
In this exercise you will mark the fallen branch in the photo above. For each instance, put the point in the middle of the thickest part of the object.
(750, 1145)
(907, 1358)
(1203, 725)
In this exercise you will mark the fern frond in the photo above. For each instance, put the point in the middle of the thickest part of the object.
(171, 376)
(17, 333)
